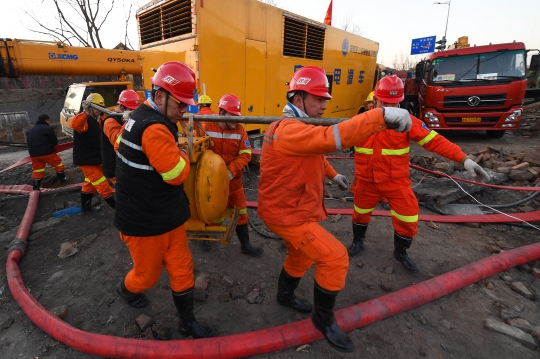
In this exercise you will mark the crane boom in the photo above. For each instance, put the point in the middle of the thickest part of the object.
(31, 57)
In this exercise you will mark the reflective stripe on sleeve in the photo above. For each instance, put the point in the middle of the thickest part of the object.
(244, 151)
(401, 151)
(230, 136)
(365, 151)
(408, 219)
(428, 138)
(176, 171)
(363, 210)
(336, 137)
(133, 164)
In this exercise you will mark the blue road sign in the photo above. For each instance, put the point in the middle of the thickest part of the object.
(423, 45)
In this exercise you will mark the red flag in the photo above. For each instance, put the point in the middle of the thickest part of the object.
(328, 17)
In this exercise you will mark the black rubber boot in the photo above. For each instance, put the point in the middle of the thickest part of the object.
(135, 300)
(187, 324)
(36, 184)
(86, 202)
(359, 235)
(325, 322)
(243, 236)
(285, 294)
(62, 177)
(110, 201)
(401, 244)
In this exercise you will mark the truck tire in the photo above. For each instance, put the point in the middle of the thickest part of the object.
(495, 134)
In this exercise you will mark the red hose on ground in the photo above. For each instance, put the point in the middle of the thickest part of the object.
(251, 343)
(483, 218)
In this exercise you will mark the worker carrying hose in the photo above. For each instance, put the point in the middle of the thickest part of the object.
(382, 170)
(87, 153)
(111, 128)
(152, 206)
(231, 142)
(41, 140)
(291, 199)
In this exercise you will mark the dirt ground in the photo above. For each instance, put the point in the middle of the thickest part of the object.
(451, 327)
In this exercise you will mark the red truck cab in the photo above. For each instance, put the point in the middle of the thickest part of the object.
(474, 88)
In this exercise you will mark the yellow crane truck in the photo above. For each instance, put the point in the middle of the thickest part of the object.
(32, 57)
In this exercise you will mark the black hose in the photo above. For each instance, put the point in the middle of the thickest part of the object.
(526, 199)
(261, 233)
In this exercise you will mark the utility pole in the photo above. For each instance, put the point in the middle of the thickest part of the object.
(443, 41)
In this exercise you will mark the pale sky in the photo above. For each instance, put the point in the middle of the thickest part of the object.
(391, 23)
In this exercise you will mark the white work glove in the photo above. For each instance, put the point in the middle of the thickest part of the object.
(476, 170)
(86, 107)
(341, 181)
(126, 115)
(231, 176)
(397, 119)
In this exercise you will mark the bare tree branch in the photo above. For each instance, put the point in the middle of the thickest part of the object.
(126, 38)
(349, 25)
(403, 63)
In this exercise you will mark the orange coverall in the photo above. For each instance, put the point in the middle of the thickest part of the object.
(94, 180)
(291, 191)
(112, 129)
(382, 170)
(234, 147)
(170, 249)
(39, 162)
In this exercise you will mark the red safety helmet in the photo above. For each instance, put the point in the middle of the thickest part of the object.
(390, 89)
(129, 99)
(177, 79)
(311, 79)
(230, 103)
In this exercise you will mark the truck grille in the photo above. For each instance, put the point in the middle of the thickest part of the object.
(164, 22)
(485, 100)
(303, 39)
(485, 120)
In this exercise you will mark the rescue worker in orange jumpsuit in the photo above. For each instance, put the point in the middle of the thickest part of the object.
(87, 153)
(151, 204)
(382, 170)
(369, 106)
(204, 103)
(41, 140)
(232, 144)
(291, 189)
(111, 127)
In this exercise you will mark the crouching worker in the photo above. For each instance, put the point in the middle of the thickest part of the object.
(41, 140)
(151, 206)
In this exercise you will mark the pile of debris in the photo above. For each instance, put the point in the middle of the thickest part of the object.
(530, 123)
(523, 171)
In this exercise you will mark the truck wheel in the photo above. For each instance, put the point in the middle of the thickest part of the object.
(495, 134)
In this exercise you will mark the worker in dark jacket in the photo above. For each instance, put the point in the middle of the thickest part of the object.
(41, 140)
(87, 153)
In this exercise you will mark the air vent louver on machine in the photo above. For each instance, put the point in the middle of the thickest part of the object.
(167, 21)
(303, 39)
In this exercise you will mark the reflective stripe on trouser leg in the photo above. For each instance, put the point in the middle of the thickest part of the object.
(309, 244)
(238, 198)
(366, 197)
(95, 179)
(38, 167)
(150, 254)
(404, 209)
